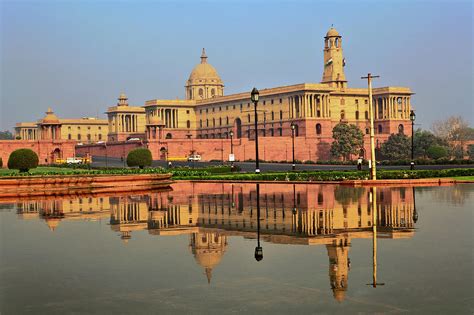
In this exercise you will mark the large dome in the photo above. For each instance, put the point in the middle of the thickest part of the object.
(50, 117)
(332, 32)
(204, 73)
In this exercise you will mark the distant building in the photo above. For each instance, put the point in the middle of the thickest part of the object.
(86, 129)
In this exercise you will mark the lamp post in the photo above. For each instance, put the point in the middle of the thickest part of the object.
(373, 170)
(258, 250)
(231, 134)
(412, 118)
(293, 166)
(254, 97)
(415, 214)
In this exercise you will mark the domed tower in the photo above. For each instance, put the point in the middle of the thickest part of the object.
(339, 265)
(204, 82)
(50, 126)
(208, 249)
(334, 61)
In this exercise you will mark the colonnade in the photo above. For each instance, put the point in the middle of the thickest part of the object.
(28, 134)
(169, 116)
(126, 123)
(387, 107)
(50, 132)
(309, 105)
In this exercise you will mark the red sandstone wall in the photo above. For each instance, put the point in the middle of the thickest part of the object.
(113, 149)
(44, 149)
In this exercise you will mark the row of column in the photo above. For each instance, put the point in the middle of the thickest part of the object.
(387, 107)
(50, 132)
(168, 115)
(126, 123)
(309, 105)
(28, 134)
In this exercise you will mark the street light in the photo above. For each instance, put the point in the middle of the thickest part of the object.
(412, 118)
(293, 126)
(258, 250)
(254, 97)
(231, 134)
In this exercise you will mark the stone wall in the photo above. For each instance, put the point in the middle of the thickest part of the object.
(47, 150)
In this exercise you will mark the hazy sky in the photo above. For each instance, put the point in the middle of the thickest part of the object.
(77, 56)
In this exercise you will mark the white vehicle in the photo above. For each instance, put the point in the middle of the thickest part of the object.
(73, 160)
(100, 142)
(80, 143)
(194, 157)
(134, 139)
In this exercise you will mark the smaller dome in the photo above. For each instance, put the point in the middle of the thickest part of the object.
(155, 121)
(122, 100)
(52, 223)
(332, 32)
(50, 117)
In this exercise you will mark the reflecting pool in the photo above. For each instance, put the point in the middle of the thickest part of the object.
(218, 248)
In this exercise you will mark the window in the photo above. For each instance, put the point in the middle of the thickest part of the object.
(78, 136)
(100, 136)
(281, 115)
(273, 115)
(367, 131)
(272, 102)
(318, 129)
(357, 115)
(187, 111)
(89, 136)
(366, 102)
(280, 132)
(343, 102)
(188, 124)
(213, 122)
(271, 132)
(220, 121)
(207, 110)
(248, 117)
(400, 129)
(281, 100)
(263, 102)
(201, 92)
(227, 120)
(366, 115)
(207, 122)
(379, 128)
(169, 136)
(343, 114)
(69, 136)
(213, 109)
(200, 123)
(213, 92)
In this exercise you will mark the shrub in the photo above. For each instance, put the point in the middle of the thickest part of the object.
(436, 152)
(23, 160)
(140, 157)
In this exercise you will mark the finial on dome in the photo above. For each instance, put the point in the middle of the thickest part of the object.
(122, 100)
(50, 111)
(203, 56)
(209, 275)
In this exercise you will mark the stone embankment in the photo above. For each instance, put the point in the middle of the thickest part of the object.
(58, 185)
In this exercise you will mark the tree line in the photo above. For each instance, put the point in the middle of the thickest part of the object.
(446, 140)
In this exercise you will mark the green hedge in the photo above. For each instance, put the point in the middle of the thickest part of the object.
(140, 157)
(23, 160)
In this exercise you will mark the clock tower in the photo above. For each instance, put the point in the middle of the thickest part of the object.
(334, 61)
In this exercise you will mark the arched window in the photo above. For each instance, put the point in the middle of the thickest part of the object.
(69, 136)
(296, 131)
(213, 92)
(169, 136)
(100, 136)
(367, 131)
(379, 129)
(238, 128)
(400, 129)
(357, 115)
(366, 115)
(201, 92)
(188, 124)
(343, 114)
(220, 121)
(281, 115)
(336, 42)
(318, 129)
(227, 120)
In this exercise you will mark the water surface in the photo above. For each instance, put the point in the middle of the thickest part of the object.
(191, 249)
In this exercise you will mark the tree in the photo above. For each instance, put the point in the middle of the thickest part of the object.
(348, 140)
(397, 147)
(140, 157)
(423, 140)
(23, 160)
(437, 152)
(470, 151)
(455, 130)
(6, 135)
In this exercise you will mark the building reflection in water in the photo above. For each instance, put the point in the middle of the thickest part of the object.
(303, 214)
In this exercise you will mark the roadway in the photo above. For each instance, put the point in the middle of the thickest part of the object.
(266, 167)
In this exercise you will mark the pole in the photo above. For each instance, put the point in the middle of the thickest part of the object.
(257, 167)
(412, 164)
(232, 152)
(373, 199)
(293, 166)
(373, 172)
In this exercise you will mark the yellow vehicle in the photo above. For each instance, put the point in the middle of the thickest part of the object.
(177, 158)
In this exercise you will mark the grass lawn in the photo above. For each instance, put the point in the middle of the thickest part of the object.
(470, 178)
